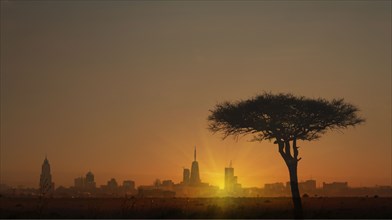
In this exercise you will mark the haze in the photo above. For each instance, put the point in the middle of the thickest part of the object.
(124, 88)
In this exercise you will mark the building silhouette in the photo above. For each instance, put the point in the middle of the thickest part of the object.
(191, 185)
(308, 186)
(129, 185)
(85, 182)
(335, 187)
(112, 184)
(229, 179)
(90, 183)
(186, 176)
(46, 185)
(167, 183)
(195, 176)
(79, 182)
(275, 189)
(231, 184)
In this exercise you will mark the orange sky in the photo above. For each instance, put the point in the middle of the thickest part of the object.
(124, 88)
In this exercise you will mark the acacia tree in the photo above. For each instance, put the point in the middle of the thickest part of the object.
(283, 119)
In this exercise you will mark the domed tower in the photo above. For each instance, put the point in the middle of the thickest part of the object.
(45, 184)
(195, 176)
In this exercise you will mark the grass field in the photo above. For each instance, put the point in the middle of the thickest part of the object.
(194, 208)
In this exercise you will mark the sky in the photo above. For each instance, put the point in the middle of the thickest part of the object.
(124, 88)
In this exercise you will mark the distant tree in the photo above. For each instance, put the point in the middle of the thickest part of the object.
(284, 119)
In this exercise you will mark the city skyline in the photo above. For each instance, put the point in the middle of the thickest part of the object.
(124, 88)
(85, 186)
(230, 182)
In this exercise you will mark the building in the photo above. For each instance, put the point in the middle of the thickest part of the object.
(90, 183)
(112, 184)
(274, 189)
(186, 176)
(308, 186)
(167, 183)
(335, 186)
(231, 184)
(86, 182)
(153, 192)
(191, 185)
(79, 182)
(46, 185)
(195, 176)
(128, 185)
(229, 179)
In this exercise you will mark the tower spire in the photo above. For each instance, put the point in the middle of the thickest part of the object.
(195, 154)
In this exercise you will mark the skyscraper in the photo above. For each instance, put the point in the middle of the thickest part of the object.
(46, 185)
(229, 178)
(185, 176)
(195, 176)
(90, 183)
(231, 184)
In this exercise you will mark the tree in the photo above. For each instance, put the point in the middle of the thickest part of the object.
(284, 119)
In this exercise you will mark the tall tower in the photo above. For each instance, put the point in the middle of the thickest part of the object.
(229, 178)
(45, 184)
(195, 176)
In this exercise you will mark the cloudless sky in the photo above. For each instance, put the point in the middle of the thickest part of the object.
(124, 88)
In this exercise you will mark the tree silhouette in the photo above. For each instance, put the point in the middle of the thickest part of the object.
(284, 119)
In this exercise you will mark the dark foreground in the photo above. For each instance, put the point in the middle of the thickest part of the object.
(194, 208)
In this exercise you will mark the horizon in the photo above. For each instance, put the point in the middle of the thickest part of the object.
(123, 89)
(221, 186)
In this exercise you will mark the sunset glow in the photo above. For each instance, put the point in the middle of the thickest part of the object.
(123, 89)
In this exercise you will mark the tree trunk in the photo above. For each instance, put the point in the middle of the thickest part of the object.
(292, 162)
(298, 212)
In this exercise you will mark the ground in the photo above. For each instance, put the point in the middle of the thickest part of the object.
(321, 207)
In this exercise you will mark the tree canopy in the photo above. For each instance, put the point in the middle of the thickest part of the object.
(283, 117)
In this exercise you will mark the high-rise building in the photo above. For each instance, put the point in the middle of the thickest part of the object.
(46, 185)
(195, 176)
(90, 183)
(231, 184)
(186, 176)
(229, 179)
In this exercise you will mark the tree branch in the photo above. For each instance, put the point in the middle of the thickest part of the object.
(287, 149)
(281, 146)
(295, 149)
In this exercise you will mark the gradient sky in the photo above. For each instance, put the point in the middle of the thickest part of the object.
(124, 88)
